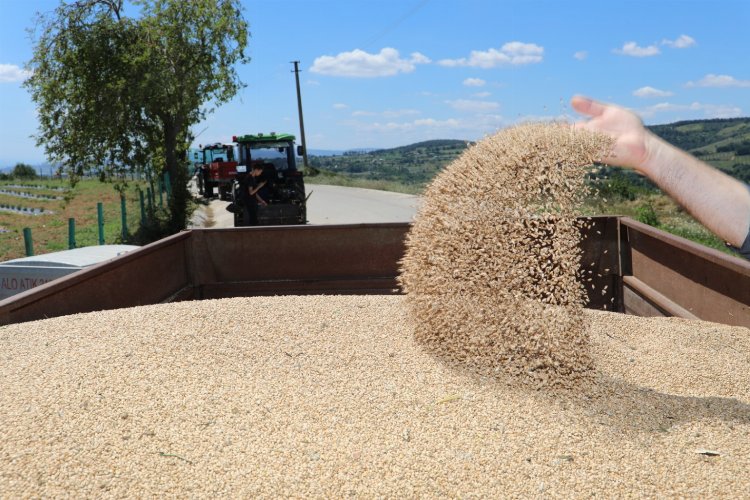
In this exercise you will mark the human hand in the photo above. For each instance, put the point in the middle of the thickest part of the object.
(632, 140)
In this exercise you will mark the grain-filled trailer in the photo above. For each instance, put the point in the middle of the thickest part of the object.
(646, 271)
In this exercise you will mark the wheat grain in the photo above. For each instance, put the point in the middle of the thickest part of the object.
(493, 257)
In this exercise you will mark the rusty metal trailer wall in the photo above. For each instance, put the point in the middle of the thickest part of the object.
(336, 259)
(665, 275)
(208, 263)
(149, 275)
(634, 268)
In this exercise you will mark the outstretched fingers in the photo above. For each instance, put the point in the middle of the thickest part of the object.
(587, 106)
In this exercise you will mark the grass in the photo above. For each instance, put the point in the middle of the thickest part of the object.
(50, 230)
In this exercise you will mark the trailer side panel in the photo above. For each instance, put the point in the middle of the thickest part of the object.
(149, 275)
(665, 275)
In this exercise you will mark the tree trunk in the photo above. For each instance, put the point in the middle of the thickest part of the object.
(174, 159)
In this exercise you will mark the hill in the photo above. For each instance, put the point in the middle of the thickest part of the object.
(705, 135)
(413, 164)
(724, 143)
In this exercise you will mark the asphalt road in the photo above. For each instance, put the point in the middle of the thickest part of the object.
(331, 205)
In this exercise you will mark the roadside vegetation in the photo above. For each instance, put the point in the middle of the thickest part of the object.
(723, 143)
(130, 79)
(55, 201)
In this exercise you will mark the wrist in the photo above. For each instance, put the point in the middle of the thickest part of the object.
(654, 150)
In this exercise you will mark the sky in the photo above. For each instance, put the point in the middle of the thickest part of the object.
(386, 73)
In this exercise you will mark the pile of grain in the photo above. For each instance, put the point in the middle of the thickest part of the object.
(492, 260)
(332, 397)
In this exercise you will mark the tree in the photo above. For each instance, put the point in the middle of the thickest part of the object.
(117, 93)
(23, 171)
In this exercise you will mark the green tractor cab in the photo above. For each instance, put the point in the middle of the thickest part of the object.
(282, 200)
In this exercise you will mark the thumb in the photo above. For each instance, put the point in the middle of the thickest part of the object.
(587, 106)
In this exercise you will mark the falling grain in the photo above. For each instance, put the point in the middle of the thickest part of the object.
(493, 258)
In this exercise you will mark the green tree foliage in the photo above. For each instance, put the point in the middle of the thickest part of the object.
(118, 93)
(645, 213)
(700, 133)
(741, 171)
(23, 171)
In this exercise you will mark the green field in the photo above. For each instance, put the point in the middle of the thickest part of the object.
(50, 228)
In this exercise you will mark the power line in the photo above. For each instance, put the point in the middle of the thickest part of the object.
(394, 25)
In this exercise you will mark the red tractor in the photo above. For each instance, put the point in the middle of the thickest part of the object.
(218, 170)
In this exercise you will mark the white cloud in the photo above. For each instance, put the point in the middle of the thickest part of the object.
(581, 55)
(388, 113)
(340, 105)
(682, 42)
(388, 133)
(651, 92)
(314, 83)
(393, 113)
(474, 82)
(361, 64)
(632, 49)
(450, 123)
(472, 105)
(512, 53)
(712, 80)
(10, 73)
(482, 95)
(418, 58)
(708, 110)
(482, 123)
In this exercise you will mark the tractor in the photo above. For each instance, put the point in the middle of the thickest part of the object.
(285, 186)
(218, 170)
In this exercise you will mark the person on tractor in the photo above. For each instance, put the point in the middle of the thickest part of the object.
(251, 196)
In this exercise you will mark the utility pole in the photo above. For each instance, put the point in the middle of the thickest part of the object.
(301, 120)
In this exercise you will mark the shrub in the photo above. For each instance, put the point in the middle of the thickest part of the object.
(24, 171)
(646, 214)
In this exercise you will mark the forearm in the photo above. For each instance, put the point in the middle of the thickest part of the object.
(718, 201)
(257, 188)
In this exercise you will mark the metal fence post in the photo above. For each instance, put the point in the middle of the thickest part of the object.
(100, 218)
(143, 207)
(150, 197)
(28, 242)
(71, 233)
(168, 185)
(124, 214)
